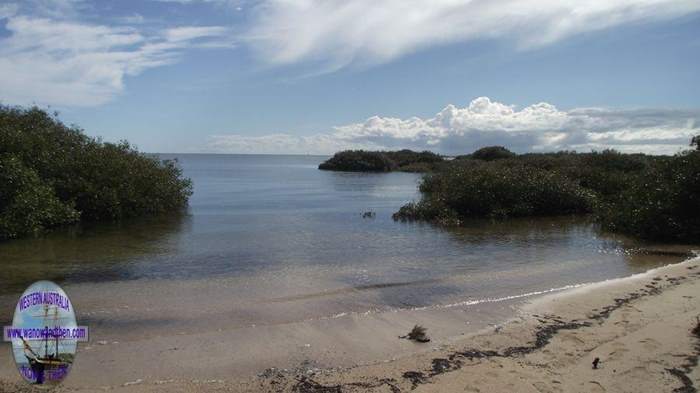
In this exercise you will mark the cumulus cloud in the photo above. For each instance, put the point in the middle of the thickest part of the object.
(341, 32)
(455, 130)
(70, 63)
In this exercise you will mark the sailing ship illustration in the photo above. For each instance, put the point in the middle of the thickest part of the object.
(46, 360)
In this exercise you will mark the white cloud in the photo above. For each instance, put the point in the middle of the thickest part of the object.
(77, 64)
(201, 36)
(55, 9)
(179, 34)
(8, 10)
(454, 130)
(133, 19)
(341, 32)
(234, 3)
(282, 144)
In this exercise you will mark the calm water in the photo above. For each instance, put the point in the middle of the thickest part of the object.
(278, 230)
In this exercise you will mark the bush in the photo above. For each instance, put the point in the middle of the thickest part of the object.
(660, 203)
(358, 161)
(407, 157)
(381, 161)
(70, 175)
(489, 189)
(491, 153)
(27, 205)
(607, 173)
(651, 197)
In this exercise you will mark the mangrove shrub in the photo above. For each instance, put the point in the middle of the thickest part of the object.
(381, 161)
(53, 174)
(661, 203)
(489, 189)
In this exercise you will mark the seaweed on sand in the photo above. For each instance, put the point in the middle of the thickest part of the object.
(418, 334)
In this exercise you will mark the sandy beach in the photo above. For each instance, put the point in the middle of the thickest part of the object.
(639, 327)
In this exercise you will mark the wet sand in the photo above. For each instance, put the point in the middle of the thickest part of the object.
(639, 327)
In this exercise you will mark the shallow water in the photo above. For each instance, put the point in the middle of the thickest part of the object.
(271, 239)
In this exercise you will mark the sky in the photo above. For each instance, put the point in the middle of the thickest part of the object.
(318, 76)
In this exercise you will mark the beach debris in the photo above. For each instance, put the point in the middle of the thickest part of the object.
(368, 214)
(416, 378)
(136, 382)
(269, 372)
(696, 329)
(308, 385)
(595, 363)
(418, 334)
(444, 365)
(207, 381)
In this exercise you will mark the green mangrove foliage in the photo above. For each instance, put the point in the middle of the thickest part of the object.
(26, 203)
(490, 153)
(652, 197)
(382, 161)
(52, 174)
(483, 189)
(661, 203)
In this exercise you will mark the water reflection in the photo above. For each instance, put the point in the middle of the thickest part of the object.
(89, 252)
(492, 259)
(278, 228)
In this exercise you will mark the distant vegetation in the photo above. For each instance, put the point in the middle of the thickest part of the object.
(52, 174)
(651, 197)
(490, 153)
(382, 161)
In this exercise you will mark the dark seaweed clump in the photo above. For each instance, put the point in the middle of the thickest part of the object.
(418, 334)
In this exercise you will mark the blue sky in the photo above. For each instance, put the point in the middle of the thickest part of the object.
(316, 76)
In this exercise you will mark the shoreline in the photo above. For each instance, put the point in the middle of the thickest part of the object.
(551, 336)
(488, 361)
